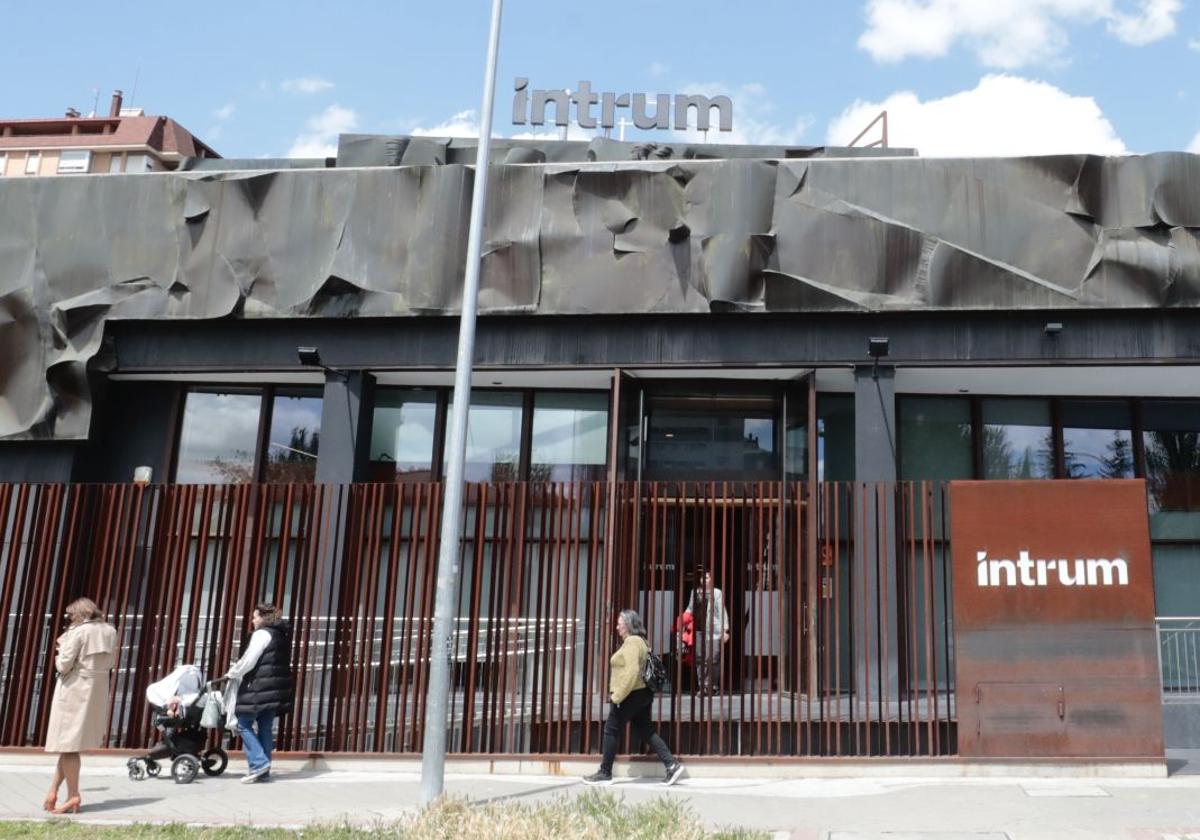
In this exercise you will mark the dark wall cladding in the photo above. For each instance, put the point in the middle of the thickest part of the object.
(667, 237)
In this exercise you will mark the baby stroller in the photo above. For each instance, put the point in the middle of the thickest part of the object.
(179, 701)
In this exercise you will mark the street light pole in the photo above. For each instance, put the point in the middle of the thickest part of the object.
(445, 609)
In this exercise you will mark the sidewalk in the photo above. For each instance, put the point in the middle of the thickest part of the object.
(869, 808)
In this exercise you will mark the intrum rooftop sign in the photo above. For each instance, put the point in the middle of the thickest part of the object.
(530, 106)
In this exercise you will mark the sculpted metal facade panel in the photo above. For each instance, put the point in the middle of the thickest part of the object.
(575, 238)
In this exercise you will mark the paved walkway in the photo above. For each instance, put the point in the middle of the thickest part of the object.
(877, 808)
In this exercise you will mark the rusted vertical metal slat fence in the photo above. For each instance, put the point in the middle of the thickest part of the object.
(834, 638)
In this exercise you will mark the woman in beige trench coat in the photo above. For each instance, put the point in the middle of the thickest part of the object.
(78, 710)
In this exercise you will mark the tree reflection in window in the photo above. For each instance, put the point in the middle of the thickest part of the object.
(295, 437)
(1172, 440)
(1018, 440)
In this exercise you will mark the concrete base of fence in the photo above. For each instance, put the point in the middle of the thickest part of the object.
(698, 766)
(1181, 726)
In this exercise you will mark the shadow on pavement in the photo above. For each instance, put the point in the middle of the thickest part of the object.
(1183, 762)
(118, 804)
(509, 797)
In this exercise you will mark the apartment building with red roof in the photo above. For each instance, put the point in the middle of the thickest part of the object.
(126, 140)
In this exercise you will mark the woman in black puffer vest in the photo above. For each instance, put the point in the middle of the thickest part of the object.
(265, 690)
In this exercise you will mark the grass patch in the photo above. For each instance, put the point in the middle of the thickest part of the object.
(593, 815)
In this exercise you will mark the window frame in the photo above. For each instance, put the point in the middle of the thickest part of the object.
(1136, 422)
(262, 438)
(444, 394)
(74, 169)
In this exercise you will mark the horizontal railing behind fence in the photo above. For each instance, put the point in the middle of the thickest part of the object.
(1179, 657)
(834, 640)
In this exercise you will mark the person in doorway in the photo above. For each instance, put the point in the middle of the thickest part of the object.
(264, 688)
(86, 653)
(631, 702)
(706, 606)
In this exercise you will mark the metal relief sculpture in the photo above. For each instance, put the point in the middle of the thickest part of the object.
(686, 235)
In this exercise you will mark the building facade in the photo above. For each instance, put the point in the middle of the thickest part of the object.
(700, 324)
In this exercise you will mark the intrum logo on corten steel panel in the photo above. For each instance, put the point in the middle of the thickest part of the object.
(1027, 571)
(1054, 642)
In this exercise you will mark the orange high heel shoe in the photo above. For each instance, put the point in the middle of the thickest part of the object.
(71, 806)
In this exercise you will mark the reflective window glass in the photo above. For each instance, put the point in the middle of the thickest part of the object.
(403, 431)
(935, 438)
(294, 437)
(218, 438)
(493, 436)
(706, 438)
(1171, 436)
(1097, 441)
(835, 437)
(570, 436)
(1018, 441)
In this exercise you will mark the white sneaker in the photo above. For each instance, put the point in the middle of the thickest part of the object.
(255, 775)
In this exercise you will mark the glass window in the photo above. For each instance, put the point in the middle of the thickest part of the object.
(493, 436)
(114, 164)
(570, 436)
(1018, 441)
(3, 163)
(705, 438)
(294, 437)
(795, 434)
(935, 438)
(218, 439)
(1171, 436)
(74, 161)
(835, 437)
(1097, 441)
(33, 162)
(403, 431)
(1176, 579)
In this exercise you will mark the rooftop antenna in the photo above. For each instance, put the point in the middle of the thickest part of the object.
(95, 101)
(136, 75)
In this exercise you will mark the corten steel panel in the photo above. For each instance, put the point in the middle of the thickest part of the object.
(1052, 660)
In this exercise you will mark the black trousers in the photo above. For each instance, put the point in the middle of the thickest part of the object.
(635, 711)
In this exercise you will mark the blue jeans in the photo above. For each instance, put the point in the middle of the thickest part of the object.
(257, 743)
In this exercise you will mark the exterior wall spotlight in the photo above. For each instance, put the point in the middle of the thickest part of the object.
(1053, 328)
(311, 357)
(877, 347)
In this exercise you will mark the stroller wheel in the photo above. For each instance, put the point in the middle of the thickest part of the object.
(153, 767)
(136, 771)
(214, 762)
(184, 769)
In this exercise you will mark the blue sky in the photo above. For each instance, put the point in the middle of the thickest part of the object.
(957, 76)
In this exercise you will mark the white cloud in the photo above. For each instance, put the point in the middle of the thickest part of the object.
(658, 69)
(1194, 146)
(1194, 44)
(462, 124)
(1003, 115)
(306, 84)
(319, 139)
(755, 117)
(224, 112)
(1154, 21)
(1005, 33)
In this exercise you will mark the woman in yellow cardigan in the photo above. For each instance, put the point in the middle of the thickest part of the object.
(631, 702)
